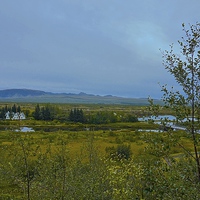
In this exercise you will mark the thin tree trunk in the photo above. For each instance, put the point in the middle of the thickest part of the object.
(193, 125)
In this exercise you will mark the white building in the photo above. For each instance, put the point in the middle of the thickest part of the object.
(15, 116)
(7, 115)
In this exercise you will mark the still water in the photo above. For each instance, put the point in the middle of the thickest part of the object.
(158, 118)
(25, 129)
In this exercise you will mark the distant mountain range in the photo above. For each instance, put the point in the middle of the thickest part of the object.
(37, 96)
(10, 93)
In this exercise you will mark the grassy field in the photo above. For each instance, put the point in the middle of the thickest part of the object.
(76, 137)
(77, 143)
(77, 134)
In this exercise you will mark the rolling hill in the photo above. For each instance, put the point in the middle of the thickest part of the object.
(37, 96)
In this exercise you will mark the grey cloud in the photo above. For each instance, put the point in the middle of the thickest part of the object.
(100, 47)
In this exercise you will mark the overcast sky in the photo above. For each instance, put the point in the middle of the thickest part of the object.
(93, 46)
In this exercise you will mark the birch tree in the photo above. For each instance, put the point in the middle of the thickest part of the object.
(185, 68)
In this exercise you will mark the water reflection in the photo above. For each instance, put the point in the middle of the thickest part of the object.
(158, 118)
(169, 123)
(163, 117)
(25, 129)
(150, 130)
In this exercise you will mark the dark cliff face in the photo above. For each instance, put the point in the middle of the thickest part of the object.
(20, 93)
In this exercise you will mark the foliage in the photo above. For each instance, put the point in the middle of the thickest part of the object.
(46, 112)
(12, 109)
(122, 151)
(23, 169)
(186, 71)
(65, 113)
(70, 162)
(105, 117)
(40, 166)
(76, 115)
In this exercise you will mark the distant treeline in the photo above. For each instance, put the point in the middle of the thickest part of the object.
(49, 112)
(11, 109)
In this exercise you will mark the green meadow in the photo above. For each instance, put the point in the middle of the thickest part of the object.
(118, 159)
